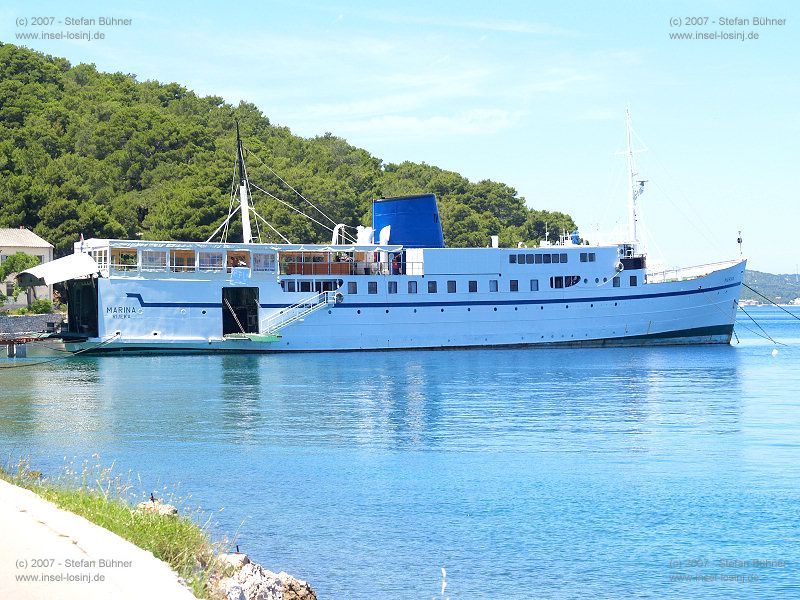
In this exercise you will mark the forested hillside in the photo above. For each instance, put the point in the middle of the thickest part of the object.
(106, 155)
(783, 289)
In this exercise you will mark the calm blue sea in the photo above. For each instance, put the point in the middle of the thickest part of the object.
(598, 473)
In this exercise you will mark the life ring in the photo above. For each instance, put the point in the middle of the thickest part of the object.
(620, 267)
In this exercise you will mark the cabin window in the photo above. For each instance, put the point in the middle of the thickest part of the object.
(493, 285)
(238, 258)
(392, 288)
(570, 280)
(182, 260)
(521, 259)
(412, 287)
(513, 285)
(537, 259)
(209, 261)
(592, 256)
(124, 259)
(352, 287)
(534, 285)
(529, 259)
(512, 259)
(451, 287)
(263, 262)
(290, 285)
(584, 257)
(615, 281)
(372, 287)
(473, 286)
(431, 287)
(633, 281)
(156, 260)
(564, 258)
(547, 259)
(557, 282)
(305, 286)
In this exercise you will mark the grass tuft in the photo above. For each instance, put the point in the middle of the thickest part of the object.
(100, 497)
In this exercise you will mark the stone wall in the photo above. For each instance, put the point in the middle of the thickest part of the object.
(11, 326)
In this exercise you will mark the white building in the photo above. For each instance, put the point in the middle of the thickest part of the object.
(23, 240)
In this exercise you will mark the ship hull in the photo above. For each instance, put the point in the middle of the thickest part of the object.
(145, 316)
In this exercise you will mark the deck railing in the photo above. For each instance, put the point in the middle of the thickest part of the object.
(687, 273)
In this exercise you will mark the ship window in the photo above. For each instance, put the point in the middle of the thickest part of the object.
(352, 287)
(290, 287)
(521, 259)
(512, 259)
(557, 282)
(431, 287)
(534, 285)
(451, 287)
(263, 262)
(493, 285)
(570, 280)
(125, 259)
(564, 258)
(412, 287)
(592, 256)
(584, 257)
(513, 285)
(305, 286)
(209, 261)
(156, 260)
(182, 260)
(238, 258)
(372, 287)
(529, 259)
(547, 259)
(537, 259)
(615, 281)
(392, 287)
(473, 286)
(633, 280)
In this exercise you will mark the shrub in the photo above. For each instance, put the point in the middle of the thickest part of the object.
(41, 306)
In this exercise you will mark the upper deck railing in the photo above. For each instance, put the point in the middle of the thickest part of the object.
(687, 273)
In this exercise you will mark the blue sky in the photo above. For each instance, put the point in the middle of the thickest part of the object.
(532, 94)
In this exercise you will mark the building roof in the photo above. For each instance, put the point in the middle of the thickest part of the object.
(22, 238)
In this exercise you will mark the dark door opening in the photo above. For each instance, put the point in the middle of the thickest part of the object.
(82, 307)
(239, 310)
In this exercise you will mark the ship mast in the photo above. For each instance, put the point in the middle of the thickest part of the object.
(244, 204)
(633, 192)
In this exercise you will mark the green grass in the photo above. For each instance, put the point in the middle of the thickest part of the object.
(101, 499)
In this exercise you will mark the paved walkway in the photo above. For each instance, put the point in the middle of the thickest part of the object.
(65, 557)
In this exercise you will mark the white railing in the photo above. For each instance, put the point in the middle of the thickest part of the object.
(686, 273)
(296, 312)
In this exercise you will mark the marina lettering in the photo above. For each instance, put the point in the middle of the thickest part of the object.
(121, 312)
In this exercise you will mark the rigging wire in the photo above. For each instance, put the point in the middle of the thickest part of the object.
(271, 170)
(766, 335)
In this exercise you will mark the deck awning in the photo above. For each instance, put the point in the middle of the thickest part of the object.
(61, 269)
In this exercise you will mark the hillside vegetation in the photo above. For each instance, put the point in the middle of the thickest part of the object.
(105, 155)
(783, 289)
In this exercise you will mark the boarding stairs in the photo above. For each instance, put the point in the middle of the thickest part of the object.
(297, 312)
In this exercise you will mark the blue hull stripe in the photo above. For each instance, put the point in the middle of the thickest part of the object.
(347, 304)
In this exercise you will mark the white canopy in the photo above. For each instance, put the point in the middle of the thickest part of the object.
(61, 269)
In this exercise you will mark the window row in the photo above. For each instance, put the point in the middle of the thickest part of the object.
(538, 259)
(588, 257)
(433, 286)
(564, 281)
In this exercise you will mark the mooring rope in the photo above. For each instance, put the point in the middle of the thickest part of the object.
(57, 358)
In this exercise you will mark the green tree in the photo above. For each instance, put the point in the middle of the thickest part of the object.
(16, 263)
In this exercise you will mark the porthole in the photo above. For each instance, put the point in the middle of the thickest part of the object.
(605, 279)
(358, 311)
(387, 311)
(567, 305)
(441, 310)
(329, 312)
(585, 280)
(541, 307)
(495, 309)
(597, 280)
(415, 310)
(515, 308)
(615, 303)
(203, 312)
(591, 306)
(468, 309)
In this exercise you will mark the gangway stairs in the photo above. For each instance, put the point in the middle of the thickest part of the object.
(297, 312)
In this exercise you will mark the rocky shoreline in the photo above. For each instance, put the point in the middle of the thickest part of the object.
(236, 577)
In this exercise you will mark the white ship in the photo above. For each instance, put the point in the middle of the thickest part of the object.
(396, 287)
